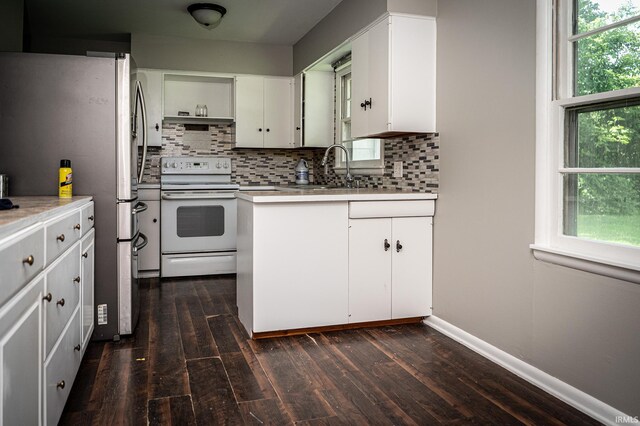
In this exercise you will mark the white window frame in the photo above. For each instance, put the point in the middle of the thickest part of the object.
(369, 167)
(552, 98)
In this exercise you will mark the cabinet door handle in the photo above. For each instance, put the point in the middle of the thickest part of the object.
(77, 348)
(268, 130)
(157, 127)
(76, 280)
(29, 259)
(77, 227)
(398, 246)
(47, 297)
(60, 237)
(365, 104)
(60, 302)
(85, 255)
(386, 244)
(297, 128)
(91, 218)
(61, 384)
(260, 129)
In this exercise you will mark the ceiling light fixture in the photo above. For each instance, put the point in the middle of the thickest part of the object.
(207, 14)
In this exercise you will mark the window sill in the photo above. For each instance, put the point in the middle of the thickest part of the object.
(360, 171)
(585, 263)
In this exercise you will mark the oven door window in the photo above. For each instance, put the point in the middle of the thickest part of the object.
(200, 221)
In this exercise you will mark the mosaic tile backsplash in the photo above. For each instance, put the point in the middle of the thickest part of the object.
(276, 166)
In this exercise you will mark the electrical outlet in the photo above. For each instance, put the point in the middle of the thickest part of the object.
(397, 169)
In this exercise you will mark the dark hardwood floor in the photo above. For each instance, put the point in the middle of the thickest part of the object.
(190, 363)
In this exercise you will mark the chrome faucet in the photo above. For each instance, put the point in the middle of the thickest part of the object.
(348, 178)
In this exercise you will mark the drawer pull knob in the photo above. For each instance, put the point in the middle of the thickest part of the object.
(77, 348)
(47, 297)
(60, 237)
(60, 302)
(29, 259)
(60, 384)
(91, 218)
(85, 255)
(76, 280)
(398, 246)
(386, 245)
(77, 227)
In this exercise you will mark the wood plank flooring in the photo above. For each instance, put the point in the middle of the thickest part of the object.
(190, 363)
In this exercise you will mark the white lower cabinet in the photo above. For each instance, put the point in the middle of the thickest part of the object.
(20, 352)
(46, 324)
(390, 261)
(87, 268)
(61, 368)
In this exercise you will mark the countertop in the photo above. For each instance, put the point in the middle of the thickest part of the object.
(324, 195)
(35, 209)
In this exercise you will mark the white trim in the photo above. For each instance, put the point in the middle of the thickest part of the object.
(604, 28)
(608, 268)
(550, 119)
(575, 397)
(600, 170)
(613, 95)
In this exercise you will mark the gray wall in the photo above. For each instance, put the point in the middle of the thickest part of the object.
(419, 7)
(579, 327)
(209, 55)
(11, 18)
(344, 20)
(77, 46)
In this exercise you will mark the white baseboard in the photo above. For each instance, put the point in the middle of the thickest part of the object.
(576, 398)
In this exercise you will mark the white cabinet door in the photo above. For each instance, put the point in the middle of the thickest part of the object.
(411, 267)
(370, 81)
(249, 112)
(369, 270)
(151, 81)
(359, 85)
(378, 82)
(20, 343)
(278, 113)
(149, 224)
(298, 82)
(318, 108)
(87, 267)
(393, 67)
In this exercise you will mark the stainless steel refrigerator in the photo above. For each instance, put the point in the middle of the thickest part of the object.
(86, 109)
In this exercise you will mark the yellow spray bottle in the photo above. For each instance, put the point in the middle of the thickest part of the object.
(65, 179)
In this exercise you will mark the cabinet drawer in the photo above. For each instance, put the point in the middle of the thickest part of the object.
(60, 234)
(88, 219)
(21, 258)
(408, 208)
(63, 283)
(60, 370)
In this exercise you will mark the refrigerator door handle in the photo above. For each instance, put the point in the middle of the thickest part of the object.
(143, 111)
(138, 247)
(139, 208)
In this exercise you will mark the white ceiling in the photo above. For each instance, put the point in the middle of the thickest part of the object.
(260, 21)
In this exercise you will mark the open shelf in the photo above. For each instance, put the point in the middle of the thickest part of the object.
(183, 92)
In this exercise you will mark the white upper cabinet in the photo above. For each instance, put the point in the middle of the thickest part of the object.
(264, 112)
(151, 81)
(314, 93)
(393, 70)
(184, 92)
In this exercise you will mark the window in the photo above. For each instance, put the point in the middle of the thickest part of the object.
(365, 154)
(588, 168)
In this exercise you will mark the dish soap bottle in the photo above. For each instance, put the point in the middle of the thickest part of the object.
(302, 172)
(65, 179)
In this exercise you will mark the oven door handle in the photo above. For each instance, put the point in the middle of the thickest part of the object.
(217, 196)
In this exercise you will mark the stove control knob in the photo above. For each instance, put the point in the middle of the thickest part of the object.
(218, 165)
(226, 165)
(174, 165)
(165, 165)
